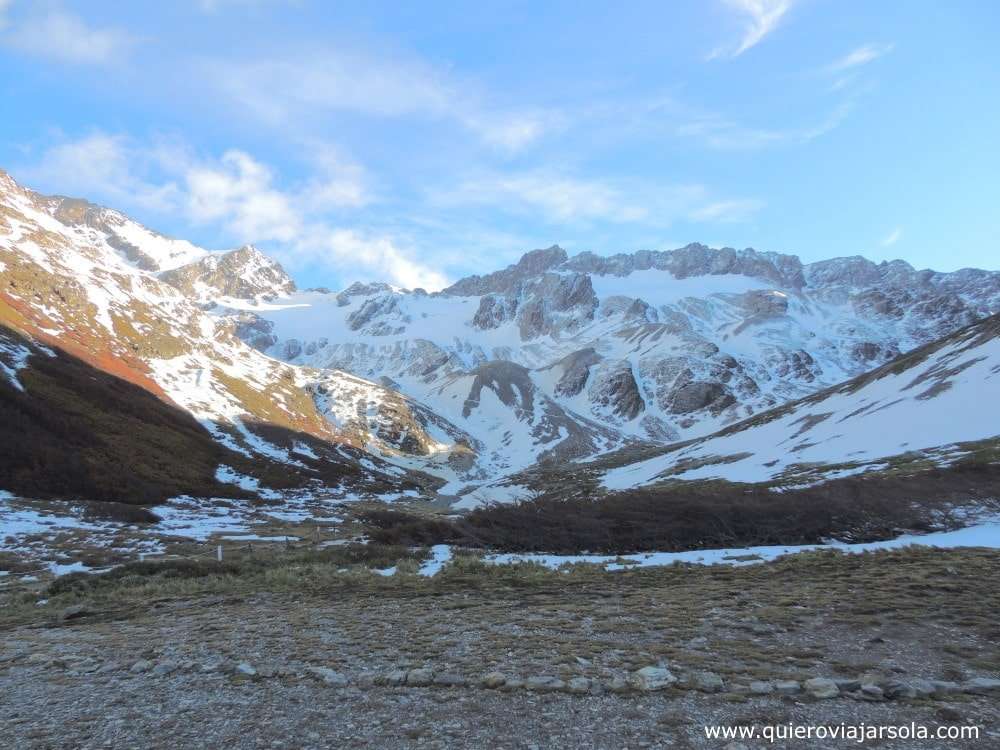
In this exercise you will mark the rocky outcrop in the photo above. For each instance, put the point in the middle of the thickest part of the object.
(508, 280)
(245, 274)
(614, 388)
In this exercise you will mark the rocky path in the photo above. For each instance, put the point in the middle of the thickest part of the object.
(611, 665)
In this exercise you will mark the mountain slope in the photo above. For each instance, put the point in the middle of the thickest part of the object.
(72, 431)
(935, 406)
(653, 346)
(66, 284)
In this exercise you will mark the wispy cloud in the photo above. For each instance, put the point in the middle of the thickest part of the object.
(858, 57)
(240, 195)
(575, 202)
(723, 134)
(282, 90)
(892, 238)
(728, 211)
(760, 18)
(58, 35)
(104, 166)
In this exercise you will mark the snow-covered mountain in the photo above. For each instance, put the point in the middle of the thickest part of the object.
(553, 359)
(934, 407)
(651, 346)
(67, 282)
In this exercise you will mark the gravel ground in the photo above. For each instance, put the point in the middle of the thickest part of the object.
(226, 663)
(205, 711)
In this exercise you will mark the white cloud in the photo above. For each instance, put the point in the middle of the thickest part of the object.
(720, 133)
(572, 201)
(241, 195)
(858, 57)
(761, 17)
(727, 211)
(59, 35)
(893, 237)
(300, 88)
(105, 166)
(556, 197)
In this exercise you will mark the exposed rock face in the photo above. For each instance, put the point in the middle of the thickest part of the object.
(575, 371)
(615, 388)
(245, 273)
(372, 308)
(256, 331)
(502, 282)
(494, 311)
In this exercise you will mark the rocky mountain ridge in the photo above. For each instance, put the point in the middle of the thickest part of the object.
(649, 346)
(554, 358)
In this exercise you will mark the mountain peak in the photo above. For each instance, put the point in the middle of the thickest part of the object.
(531, 264)
(244, 273)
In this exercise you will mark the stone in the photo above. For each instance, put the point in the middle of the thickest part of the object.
(649, 679)
(329, 676)
(512, 684)
(869, 692)
(87, 666)
(848, 685)
(923, 688)
(494, 680)
(164, 668)
(38, 658)
(787, 687)
(394, 678)
(74, 613)
(618, 685)
(708, 682)
(759, 687)
(578, 685)
(982, 686)
(141, 666)
(449, 679)
(945, 687)
(821, 688)
(245, 668)
(544, 683)
(419, 677)
(896, 690)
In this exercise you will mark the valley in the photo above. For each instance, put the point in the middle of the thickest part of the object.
(623, 497)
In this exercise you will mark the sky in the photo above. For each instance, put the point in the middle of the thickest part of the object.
(417, 143)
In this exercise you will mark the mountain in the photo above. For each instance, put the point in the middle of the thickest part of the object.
(68, 285)
(550, 362)
(932, 408)
(649, 347)
(245, 273)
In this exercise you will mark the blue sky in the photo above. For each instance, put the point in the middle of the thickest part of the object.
(420, 142)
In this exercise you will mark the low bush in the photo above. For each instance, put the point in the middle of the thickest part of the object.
(684, 517)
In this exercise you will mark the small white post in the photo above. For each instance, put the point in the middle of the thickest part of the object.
(142, 557)
(218, 553)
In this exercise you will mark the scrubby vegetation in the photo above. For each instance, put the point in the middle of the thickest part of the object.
(77, 432)
(703, 515)
(247, 567)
